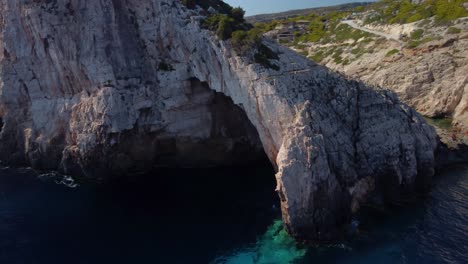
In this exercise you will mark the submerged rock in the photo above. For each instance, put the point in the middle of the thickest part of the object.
(103, 87)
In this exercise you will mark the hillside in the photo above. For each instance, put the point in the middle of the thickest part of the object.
(419, 50)
(302, 12)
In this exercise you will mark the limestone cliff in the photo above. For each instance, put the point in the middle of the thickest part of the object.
(111, 86)
(430, 77)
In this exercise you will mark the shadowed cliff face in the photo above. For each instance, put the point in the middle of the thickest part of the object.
(205, 129)
(92, 87)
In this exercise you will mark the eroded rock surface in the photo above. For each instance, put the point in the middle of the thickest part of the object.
(92, 87)
(431, 77)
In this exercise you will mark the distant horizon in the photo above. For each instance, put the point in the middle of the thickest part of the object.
(259, 7)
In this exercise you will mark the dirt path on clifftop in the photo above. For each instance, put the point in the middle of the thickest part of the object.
(353, 24)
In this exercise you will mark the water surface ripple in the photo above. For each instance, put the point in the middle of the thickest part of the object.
(210, 216)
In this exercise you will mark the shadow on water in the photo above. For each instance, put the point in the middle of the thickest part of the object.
(228, 215)
(170, 216)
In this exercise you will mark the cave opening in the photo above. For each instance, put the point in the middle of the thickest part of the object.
(233, 198)
(226, 198)
(208, 193)
(201, 128)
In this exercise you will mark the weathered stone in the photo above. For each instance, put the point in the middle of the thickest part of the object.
(431, 78)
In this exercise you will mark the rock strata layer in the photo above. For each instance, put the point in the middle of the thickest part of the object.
(98, 87)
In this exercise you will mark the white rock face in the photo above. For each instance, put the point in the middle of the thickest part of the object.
(92, 87)
(430, 78)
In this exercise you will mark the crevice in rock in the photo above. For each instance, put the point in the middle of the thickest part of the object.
(229, 125)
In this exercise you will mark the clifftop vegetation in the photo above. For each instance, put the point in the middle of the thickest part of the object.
(404, 11)
(326, 30)
(345, 44)
(219, 5)
(229, 24)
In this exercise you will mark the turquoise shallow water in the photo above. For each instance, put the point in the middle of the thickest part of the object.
(211, 216)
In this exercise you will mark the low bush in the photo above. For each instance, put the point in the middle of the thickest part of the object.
(318, 56)
(417, 34)
(413, 44)
(356, 51)
(219, 5)
(392, 52)
(264, 55)
(243, 40)
(237, 13)
(337, 56)
(453, 30)
(225, 23)
(337, 59)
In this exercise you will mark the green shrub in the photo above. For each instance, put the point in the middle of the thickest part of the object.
(373, 19)
(264, 55)
(416, 43)
(453, 30)
(413, 44)
(243, 40)
(219, 5)
(448, 10)
(315, 31)
(367, 40)
(337, 56)
(337, 59)
(304, 53)
(417, 34)
(225, 26)
(237, 14)
(359, 9)
(212, 21)
(356, 50)
(318, 56)
(163, 66)
(392, 52)
(344, 32)
(265, 27)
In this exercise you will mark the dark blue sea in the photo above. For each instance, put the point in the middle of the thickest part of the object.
(210, 216)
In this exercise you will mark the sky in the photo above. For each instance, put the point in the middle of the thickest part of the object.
(254, 7)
